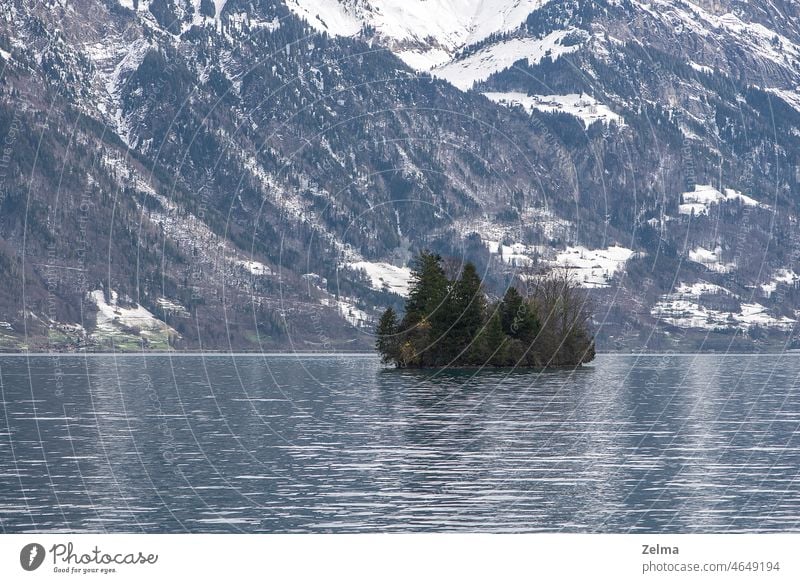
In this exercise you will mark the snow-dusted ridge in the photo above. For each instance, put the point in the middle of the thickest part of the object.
(424, 33)
(481, 65)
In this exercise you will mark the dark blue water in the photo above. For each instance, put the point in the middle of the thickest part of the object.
(337, 444)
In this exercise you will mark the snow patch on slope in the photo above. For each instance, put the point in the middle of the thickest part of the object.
(254, 267)
(752, 37)
(516, 254)
(143, 5)
(479, 66)
(710, 259)
(113, 319)
(349, 311)
(704, 196)
(114, 82)
(684, 308)
(217, 254)
(585, 107)
(385, 276)
(219, 5)
(327, 16)
(782, 276)
(542, 219)
(790, 97)
(594, 267)
(169, 306)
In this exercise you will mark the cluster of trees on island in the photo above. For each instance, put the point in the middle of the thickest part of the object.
(451, 323)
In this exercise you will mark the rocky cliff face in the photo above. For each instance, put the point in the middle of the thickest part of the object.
(256, 174)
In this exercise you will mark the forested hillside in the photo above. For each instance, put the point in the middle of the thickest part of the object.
(259, 174)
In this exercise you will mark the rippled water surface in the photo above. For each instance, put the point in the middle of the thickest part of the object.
(338, 444)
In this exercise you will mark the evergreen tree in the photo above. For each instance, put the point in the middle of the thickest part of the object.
(518, 316)
(509, 308)
(429, 287)
(387, 340)
(471, 302)
(492, 344)
(498, 342)
(426, 299)
(446, 323)
(461, 319)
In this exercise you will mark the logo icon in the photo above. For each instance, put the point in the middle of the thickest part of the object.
(31, 556)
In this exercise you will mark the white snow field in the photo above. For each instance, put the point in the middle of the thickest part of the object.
(700, 200)
(585, 107)
(386, 276)
(113, 320)
(683, 309)
(424, 33)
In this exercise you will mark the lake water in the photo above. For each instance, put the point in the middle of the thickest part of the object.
(288, 443)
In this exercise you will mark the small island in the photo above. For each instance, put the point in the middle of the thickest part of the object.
(451, 322)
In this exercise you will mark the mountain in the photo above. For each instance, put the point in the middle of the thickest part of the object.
(424, 34)
(243, 174)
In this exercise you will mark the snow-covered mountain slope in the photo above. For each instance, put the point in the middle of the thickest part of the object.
(584, 107)
(493, 58)
(267, 165)
(467, 42)
(423, 33)
(428, 34)
(264, 169)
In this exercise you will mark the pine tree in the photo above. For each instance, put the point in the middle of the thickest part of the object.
(461, 319)
(426, 299)
(509, 310)
(518, 316)
(429, 287)
(497, 341)
(491, 345)
(446, 323)
(470, 300)
(387, 340)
